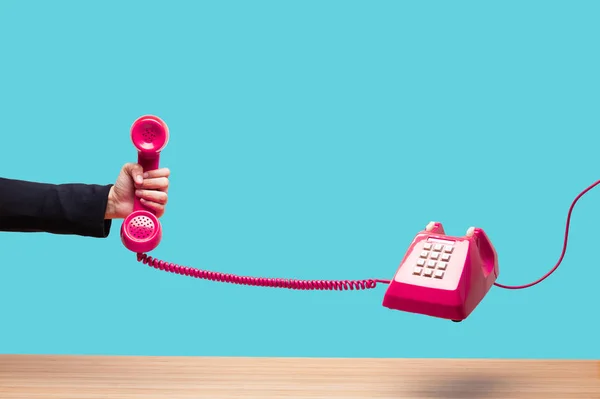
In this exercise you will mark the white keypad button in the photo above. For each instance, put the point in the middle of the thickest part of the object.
(431, 264)
(442, 265)
(439, 274)
(437, 247)
(434, 255)
(448, 249)
(445, 257)
(427, 246)
(424, 254)
(417, 271)
(427, 272)
(421, 262)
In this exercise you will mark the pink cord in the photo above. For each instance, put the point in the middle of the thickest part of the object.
(564, 250)
(337, 285)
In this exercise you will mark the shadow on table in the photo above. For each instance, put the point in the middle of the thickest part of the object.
(466, 387)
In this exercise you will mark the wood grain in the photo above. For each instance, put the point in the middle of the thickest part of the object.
(265, 378)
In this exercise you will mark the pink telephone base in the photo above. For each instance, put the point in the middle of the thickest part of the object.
(444, 276)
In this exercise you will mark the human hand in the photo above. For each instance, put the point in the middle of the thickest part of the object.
(151, 187)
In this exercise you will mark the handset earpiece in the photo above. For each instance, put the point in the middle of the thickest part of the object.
(141, 231)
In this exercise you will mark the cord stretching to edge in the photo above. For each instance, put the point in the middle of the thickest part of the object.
(332, 285)
(564, 249)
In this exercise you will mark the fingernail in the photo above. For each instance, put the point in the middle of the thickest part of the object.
(138, 192)
(145, 175)
(139, 179)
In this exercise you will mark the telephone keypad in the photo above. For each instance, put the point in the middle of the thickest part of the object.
(433, 260)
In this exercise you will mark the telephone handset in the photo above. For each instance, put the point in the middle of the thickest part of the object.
(141, 231)
(440, 275)
(444, 276)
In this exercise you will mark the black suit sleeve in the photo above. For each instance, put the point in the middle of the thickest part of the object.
(76, 209)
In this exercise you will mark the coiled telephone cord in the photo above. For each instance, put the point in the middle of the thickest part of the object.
(292, 284)
(332, 285)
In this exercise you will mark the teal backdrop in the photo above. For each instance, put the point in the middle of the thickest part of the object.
(311, 140)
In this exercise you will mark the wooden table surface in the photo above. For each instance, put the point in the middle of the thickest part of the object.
(265, 378)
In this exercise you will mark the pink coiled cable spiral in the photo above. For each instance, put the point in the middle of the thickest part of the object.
(292, 284)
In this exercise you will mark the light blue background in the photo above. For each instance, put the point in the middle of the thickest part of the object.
(310, 139)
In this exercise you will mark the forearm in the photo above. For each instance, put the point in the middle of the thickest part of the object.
(78, 209)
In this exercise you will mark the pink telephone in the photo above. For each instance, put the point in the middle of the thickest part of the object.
(444, 276)
(441, 276)
(141, 231)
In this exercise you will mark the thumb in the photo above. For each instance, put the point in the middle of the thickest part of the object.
(135, 171)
